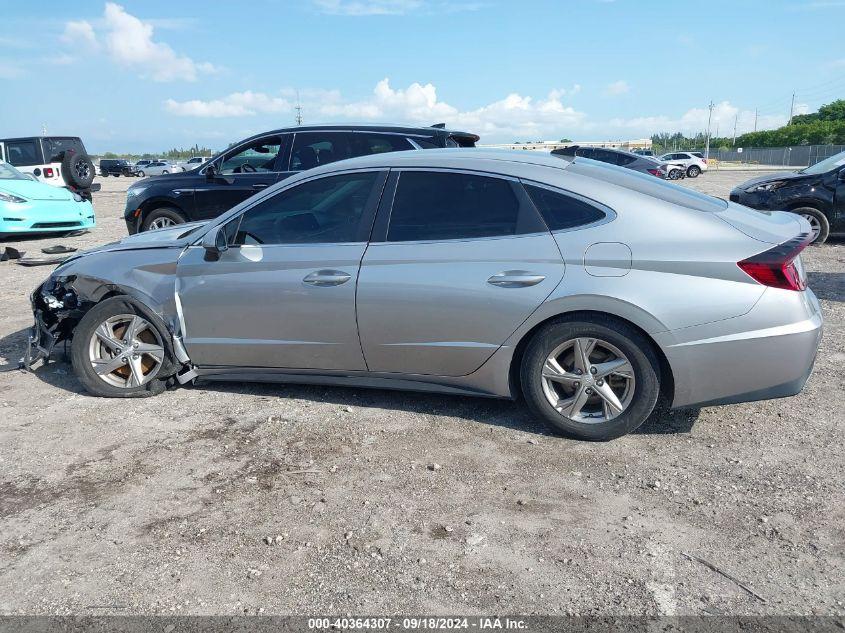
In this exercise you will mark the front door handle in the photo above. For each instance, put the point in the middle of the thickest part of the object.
(327, 278)
(260, 185)
(515, 279)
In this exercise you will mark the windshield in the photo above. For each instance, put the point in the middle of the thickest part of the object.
(828, 164)
(7, 172)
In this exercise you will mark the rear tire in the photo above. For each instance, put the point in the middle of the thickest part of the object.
(674, 174)
(634, 383)
(152, 358)
(818, 223)
(161, 218)
(77, 170)
(694, 171)
(141, 174)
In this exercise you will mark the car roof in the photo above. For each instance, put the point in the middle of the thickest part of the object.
(453, 157)
(375, 127)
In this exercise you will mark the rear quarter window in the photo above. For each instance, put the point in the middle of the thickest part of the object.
(562, 211)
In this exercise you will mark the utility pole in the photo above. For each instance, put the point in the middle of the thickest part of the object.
(736, 118)
(707, 139)
(298, 110)
(755, 119)
(43, 129)
(791, 109)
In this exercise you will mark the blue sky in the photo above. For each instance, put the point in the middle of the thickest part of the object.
(146, 76)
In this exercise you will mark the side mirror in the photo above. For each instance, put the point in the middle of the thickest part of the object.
(214, 242)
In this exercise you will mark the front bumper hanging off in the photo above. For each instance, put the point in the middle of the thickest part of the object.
(42, 340)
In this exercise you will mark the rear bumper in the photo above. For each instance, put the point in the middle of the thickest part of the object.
(767, 353)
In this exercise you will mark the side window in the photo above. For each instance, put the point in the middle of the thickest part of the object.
(260, 155)
(311, 149)
(586, 152)
(448, 206)
(561, 211)
(625, 159)
(22, 153)
(604, 156)
(364, 144)
(326, 210)
(424, 143)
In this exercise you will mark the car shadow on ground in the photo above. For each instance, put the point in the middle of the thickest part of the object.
(496, 412)
(828, 286)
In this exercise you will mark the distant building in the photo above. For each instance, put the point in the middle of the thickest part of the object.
(547, 146)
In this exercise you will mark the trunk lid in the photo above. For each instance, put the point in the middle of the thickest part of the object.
(771, 227)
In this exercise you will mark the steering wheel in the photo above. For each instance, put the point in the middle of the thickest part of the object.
(246, 168)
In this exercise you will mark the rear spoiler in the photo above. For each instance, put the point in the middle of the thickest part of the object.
(463, 139)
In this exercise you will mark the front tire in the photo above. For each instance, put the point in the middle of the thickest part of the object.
(674, 174)
(591, 379)
(819, 224)
(141, 174)
(694, 171)
(120, 350)
(162, 218)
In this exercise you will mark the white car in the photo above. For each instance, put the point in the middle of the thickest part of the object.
(157, 168)
(692, 163)
(192, 163)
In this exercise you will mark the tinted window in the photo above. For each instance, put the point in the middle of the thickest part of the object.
(561, 211)
(604, 156)
(318, 148)
(53, 148)
(22, 153)
(364, 144)
(425, 143)
(625, 159)
(447, 206)
(260, 155)
(326, 210)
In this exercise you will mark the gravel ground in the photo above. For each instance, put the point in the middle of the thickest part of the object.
(226, 499)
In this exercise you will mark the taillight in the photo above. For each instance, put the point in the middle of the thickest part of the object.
(779, 267)
(48, 172)
(655, 172)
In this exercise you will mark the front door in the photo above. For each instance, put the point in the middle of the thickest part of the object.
(2, 152)
(240, 173)
(283, 294)
(838, 225)
(464, 261)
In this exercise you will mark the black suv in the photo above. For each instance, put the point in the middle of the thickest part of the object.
(817, 193)
(262, 160)
(115, 167)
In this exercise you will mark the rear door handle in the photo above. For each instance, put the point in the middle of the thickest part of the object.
(515, 279)
(327, 278)
(260, 185)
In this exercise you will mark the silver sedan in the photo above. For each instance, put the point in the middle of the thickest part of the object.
(592, 290)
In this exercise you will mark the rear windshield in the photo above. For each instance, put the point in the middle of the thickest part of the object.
(55, 145)
(649, 185)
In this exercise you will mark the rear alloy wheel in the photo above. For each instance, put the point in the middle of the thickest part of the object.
(694, 171)
(142, 174)
(120, 351)
(591, 380)
(819, 226)
(161, 219)
(674, 174)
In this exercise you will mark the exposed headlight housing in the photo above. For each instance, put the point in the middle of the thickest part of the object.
(766, 186)
(8, 197)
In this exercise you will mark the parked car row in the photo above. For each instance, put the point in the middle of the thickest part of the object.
(629, 160)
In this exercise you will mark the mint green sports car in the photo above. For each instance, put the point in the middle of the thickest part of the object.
(29, 206)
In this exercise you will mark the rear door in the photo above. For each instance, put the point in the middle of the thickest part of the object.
(456, 264)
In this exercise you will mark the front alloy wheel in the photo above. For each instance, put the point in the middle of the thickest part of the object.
(126, 351)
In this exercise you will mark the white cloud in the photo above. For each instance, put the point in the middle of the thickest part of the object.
(79, 32)
(513, 117)
(367, 7)
(237, 104)
(617, 88)
(129, 42)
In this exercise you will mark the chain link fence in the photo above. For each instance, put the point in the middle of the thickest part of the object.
(798, 156)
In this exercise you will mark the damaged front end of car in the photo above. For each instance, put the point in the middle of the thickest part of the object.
(57, 308)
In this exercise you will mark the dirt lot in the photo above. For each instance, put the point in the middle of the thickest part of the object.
(385, 502)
